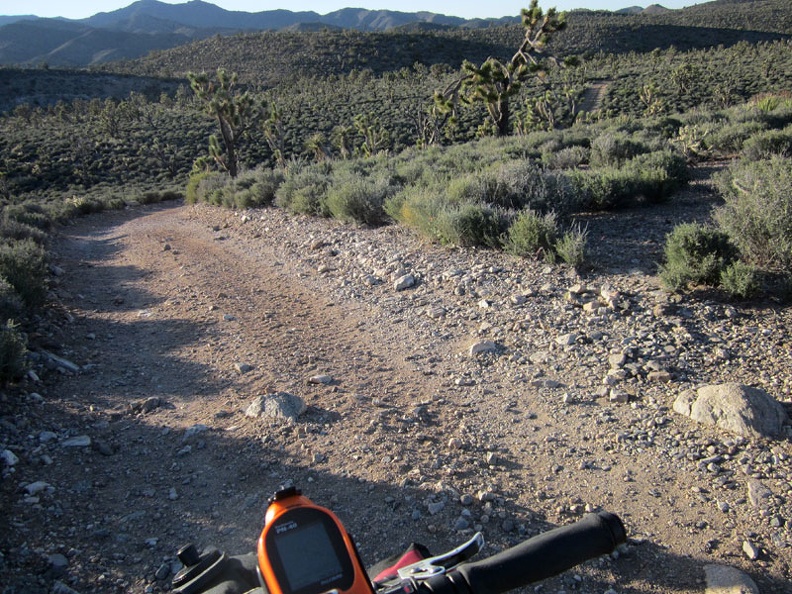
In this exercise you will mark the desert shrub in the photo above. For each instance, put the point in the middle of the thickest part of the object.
(11, 305)
(206, 186)
(729, 138)
(358, 199)
(532, 234)
(416, 207)
(23, 265)
(765, 145)
(695, 253)
(469, 225)
(303, 191)
(571, 247)
(740, 280)
(757, 212)
(13, 363)
(657, 175)
(29, 213)
(84, 205)
(613, 148)
(152, 197)
(12, 229)
(516, 185)
(566, 158)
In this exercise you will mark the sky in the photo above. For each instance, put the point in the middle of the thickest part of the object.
(78, 9)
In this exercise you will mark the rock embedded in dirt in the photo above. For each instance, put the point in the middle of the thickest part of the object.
(278, 405)
(740, 409)
(723, 579)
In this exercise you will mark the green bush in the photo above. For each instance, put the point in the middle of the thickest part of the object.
(23, 265)
(768, 144)
(29, 213)
(740, 280)
(729, 138)
(12, 229)
(570, 157)
(695, 253)
(11, 305)
(13, 363)
(358, 199)
(757, 213)
(470, 225)
(206, 186)
(613, 148)
(532, 234)
(571, 248)
(304, 191)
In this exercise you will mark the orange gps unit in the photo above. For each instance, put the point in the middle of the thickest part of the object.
(304, 549)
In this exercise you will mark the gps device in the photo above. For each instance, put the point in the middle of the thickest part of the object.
(304, 549)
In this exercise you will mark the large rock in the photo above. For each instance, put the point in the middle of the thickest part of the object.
(722, 579)
(279, 405)
(740, 409)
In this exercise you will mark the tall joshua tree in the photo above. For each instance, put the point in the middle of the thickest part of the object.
(495, 82)
(233, 110)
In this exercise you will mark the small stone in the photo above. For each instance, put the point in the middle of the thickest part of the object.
(484, 346)
(37, 487)
(567, 339)
(243, 367)
(321, 379)
(619, 396)
(163, 572)
(467, 499)
(751, 550)
(435, 507)
(9, 458)
(404, 282)
(194, 430)
(454, 443)
(80, 441)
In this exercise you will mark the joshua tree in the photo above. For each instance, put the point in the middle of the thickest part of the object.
(495, 82)
(233, 110)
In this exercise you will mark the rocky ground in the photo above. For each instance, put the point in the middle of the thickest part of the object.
(447, 391)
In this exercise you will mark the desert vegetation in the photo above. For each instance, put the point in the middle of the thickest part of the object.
(448, 132)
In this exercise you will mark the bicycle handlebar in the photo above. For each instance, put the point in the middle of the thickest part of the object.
(535, 559)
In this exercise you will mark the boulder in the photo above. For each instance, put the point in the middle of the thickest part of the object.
(723, 579)
(279, 405)
(739, 409)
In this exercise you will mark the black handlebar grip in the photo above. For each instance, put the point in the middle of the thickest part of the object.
(537, 558)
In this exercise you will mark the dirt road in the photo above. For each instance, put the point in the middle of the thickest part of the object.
(179, 317)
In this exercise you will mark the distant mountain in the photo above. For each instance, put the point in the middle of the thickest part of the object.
(148, 25)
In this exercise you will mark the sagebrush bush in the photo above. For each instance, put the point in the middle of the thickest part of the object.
(566, 158)
(532, 234)
(729, 138)
(695, 253)
(358, 199)
(571, 247)
(23, 264)
(757, 210)
(470, 225)
(11, 305)
(740, 280)
(614, 148)
(13, 348)
(765, 145)
(304, 190)
(12, 229)
(29, 213)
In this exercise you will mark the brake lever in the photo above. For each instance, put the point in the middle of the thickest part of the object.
(440, 564)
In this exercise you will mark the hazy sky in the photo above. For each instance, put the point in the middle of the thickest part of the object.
(78, 9)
